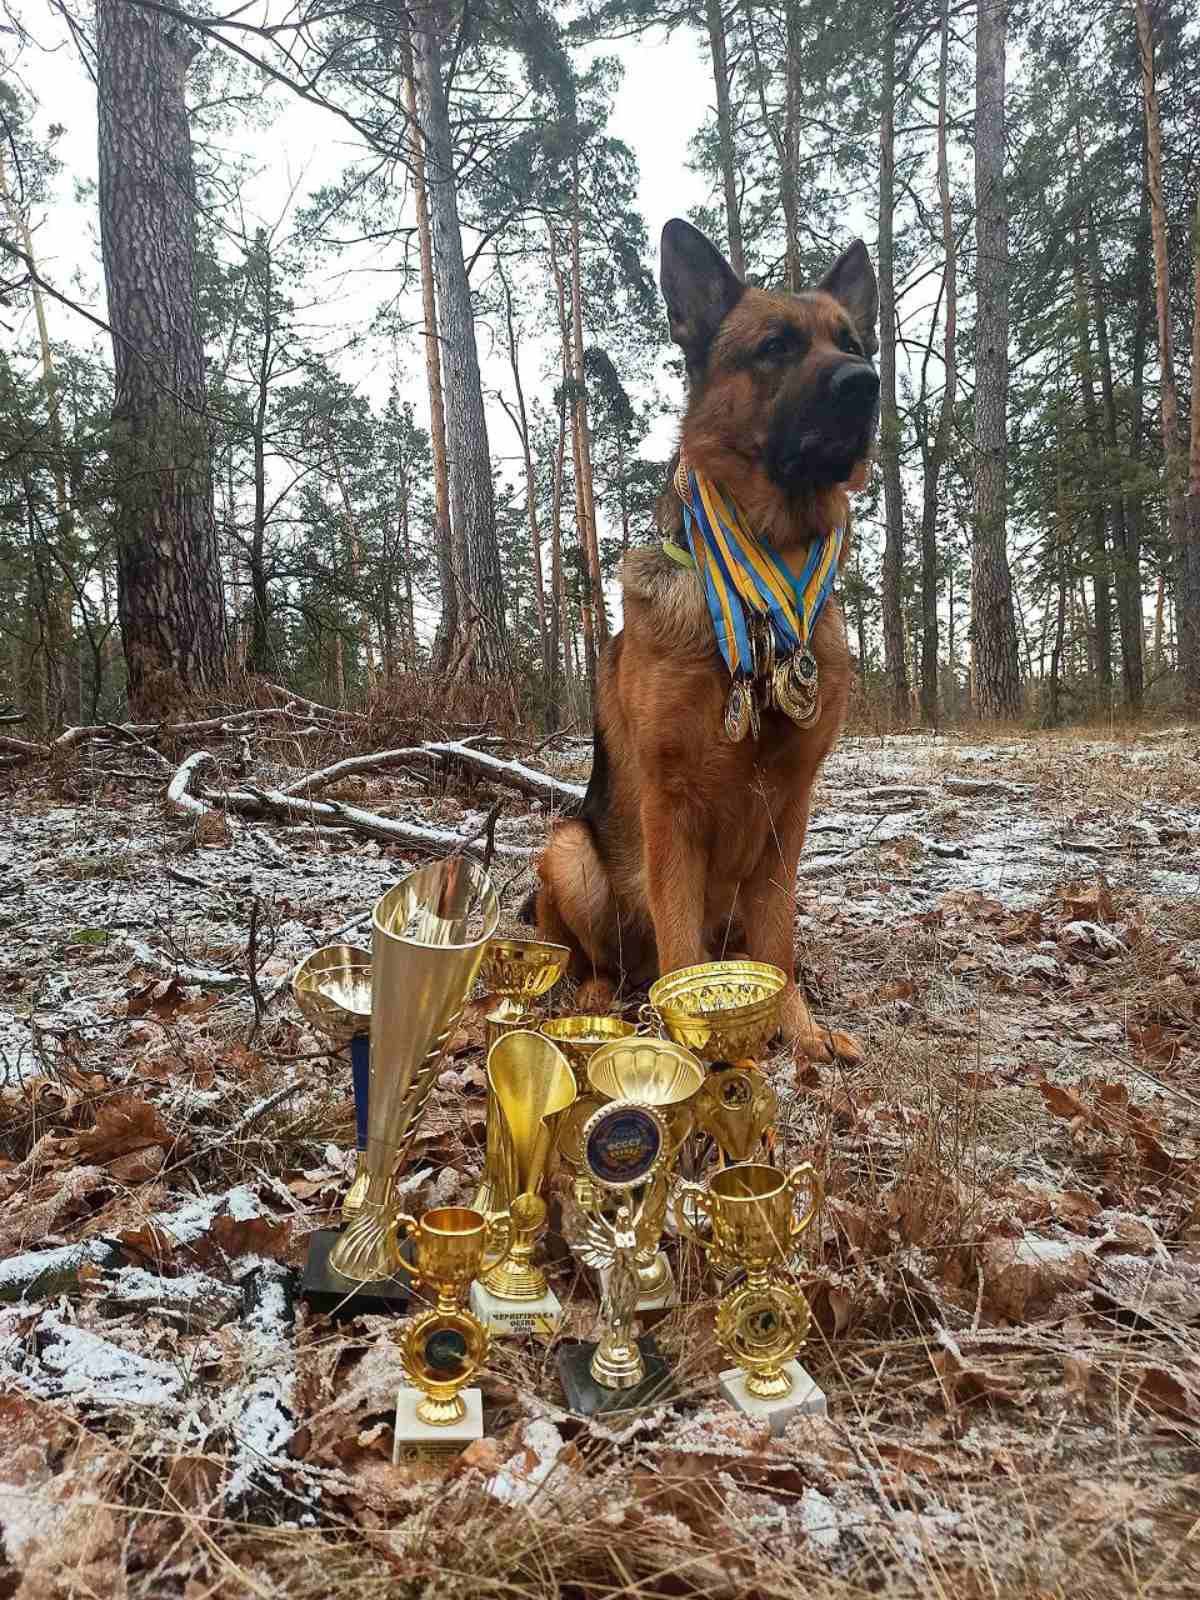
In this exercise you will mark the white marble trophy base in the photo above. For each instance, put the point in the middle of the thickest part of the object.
(661, 1300)
(805, 1400)
(418, 1441)
(511, 1319)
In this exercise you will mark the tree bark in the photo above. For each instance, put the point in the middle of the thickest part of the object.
(583, 430)
(937, 453)
(889, 415)
(993, 626)
(472, 496)
(1193, 494)
(451, 559)
(1101, 595)
(733, 218)
(169, 573)
(521, 419)
(559, 622)
(585, 610)
(1186, 551)
(1126, 553)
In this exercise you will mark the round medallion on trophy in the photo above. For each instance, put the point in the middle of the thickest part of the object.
(623, 1144)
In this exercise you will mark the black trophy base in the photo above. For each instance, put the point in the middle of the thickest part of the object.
(589, 1398)
(329, 1294)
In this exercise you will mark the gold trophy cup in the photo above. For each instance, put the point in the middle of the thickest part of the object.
(445, 1347)
(580, 1037)
(517, 972)
(657, 1073)
(751, 1209)
(332, 988)
(531, 1082)
(726, 1012)
(429, 934)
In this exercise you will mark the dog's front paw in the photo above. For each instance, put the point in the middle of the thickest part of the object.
(808, 1039)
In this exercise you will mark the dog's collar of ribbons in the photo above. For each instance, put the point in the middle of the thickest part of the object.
(744, 578)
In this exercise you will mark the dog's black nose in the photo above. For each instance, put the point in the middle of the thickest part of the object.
(854, 387)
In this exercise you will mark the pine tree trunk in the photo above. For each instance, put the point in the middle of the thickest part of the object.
(169, 571)
(1127, 576)
(889, 415)
(993, 626)
(937, 453)
(59, 596)
(1186, 552)
(472, 497)
(559, 648)
(725, 151)
(522, 425)
(451, 558)
(1101, 598)
(583, 431)
(585, 610)
(1193, 494)
(260, 599)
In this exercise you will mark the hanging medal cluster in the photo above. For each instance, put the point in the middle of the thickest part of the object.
(791, 686)
(765, 677)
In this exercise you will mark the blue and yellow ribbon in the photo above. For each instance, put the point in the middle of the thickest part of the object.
(744, 578)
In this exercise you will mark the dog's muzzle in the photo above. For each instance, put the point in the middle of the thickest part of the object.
(820, 435)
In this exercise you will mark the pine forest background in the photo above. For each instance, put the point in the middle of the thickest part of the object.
(218, 463)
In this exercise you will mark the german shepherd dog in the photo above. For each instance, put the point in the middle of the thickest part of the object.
(686, 845)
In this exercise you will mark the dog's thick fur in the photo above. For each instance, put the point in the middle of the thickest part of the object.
(687, 845)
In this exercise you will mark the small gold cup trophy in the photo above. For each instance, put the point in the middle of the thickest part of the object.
(332, 988)
(762, 1321)
(530, 1083)
(657, 1073)
(444, 1347)
(726, 1012)
(624, 1146)
(429, 934)
(517, 972)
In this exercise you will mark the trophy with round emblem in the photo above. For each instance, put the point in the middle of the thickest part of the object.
(623, 1146)
(443, 1348)
(763, 1321)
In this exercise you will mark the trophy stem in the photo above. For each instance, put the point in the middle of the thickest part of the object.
(617, 1362)
(516, 1277)
(441, 1413)
(368, 1250)
(771, 1383)
(357, 1192)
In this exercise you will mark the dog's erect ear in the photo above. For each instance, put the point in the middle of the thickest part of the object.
(851, 280)
(699, 286)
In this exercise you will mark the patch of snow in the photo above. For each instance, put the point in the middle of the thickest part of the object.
(517, 1486)
(75, 1363)
(818, 1516)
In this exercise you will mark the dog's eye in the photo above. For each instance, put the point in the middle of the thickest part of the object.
(772, 349)
(846, 341)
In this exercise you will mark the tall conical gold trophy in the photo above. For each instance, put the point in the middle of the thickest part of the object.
(429, 933)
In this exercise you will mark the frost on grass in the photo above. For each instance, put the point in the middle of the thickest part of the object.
(1003, 1281)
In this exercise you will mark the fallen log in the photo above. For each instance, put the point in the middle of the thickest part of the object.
(412, 835)
(178, 797)
(513, 774)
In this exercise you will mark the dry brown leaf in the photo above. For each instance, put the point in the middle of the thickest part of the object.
(1023, 1277)
(1089, 902)
(963, 1381)
(166, 999)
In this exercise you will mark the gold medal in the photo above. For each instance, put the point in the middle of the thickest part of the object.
(795, 688)
(737, 711)
(762, 640)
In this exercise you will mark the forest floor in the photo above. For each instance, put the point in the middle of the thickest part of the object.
(1005, 1279)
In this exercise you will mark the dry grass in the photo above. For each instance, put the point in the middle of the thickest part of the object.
(1006, 1298)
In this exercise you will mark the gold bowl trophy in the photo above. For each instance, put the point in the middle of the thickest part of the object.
(429, 934)
(580, 1037)
(444, 1347)
(763, 1321)
(530, 1082)
(624, 1146)
(727, 1012)
(517, 972)
(651, 1072)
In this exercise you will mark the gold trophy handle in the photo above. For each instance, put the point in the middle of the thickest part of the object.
(698, 1197)
(497, 1241)
(649, 1019)
(401, 1228)
(805, 1176)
